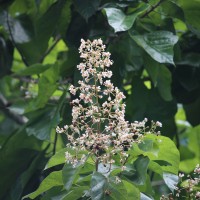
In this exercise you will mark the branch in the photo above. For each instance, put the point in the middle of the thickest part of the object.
(16, 117)
(13, 40)
(50, 49)
(152, 9)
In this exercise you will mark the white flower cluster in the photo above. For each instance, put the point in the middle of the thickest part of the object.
(98, 114)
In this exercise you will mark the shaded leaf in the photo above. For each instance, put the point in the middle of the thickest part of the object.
(69, 174)
(75, 193)
(87, 8)
(42, 124)
(52, 180)
(161, 77)
(136, 172)
(98, 186)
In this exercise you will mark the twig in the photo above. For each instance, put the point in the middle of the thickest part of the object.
(16, 117)
(50, 49)
(13, 40)
(152, 9)
(55, 142)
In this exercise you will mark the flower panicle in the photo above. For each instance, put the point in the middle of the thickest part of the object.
(98, 114)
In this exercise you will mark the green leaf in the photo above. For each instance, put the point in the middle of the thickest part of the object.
(57, 159)
(161, 77)
(192, 112)
(148, 103)
(171, 180)
(145, 197)
(52, 180)
(21, 182)
(191, 12)
(158, 44)
(132, 191)
(136, 172)
(117, 190)
(87, 8)
(149, 146)
(120, 21)
(69, 174)
(191, 139)
(6, 56)
(47, 85)
(17, 153)
(75, 193)
(34, 69)
(43, 123)
(98, 186)
(167, 152)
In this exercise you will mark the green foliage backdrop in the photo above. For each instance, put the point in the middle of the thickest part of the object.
(155, 46)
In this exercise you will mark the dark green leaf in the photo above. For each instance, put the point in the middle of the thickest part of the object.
(75, 193)
(47, 85)
(43, 123)
(54, 179)
(87, 8)
(161, 77)
(21, 182)
(158, 44)
(98, 186)
(69, 174)
(191, 12)
(6, 56)
(192, 112)
(137, 171)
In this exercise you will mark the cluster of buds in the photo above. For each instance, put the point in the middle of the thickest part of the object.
(187, 186)
(98, 114)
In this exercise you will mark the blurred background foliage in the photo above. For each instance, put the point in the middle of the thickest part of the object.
(155, 46)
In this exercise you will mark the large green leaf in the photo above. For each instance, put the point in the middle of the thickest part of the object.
(119, 20)
(136, 172)
(191, 140)
(75, 193)
(161, 77)
(42, 124)
(57, 159)
(69, 173)
(171, 180)
(191, 12)
(34, 69)
(54, 179)
(47, 85)
(17, 153)
(25, 177)
(168, 153)
(87, 8)
(148, 103)
(98, 186)
(158, 44)
(132, 191)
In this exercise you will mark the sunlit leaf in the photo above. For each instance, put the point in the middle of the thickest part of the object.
(158, 44)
